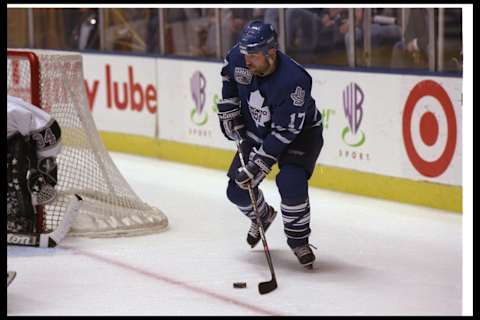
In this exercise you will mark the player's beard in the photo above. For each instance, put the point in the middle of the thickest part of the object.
(269, 67)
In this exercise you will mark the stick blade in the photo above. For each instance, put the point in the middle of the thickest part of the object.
(267, 286)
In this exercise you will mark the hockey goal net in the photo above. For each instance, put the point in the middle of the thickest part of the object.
(53, 81)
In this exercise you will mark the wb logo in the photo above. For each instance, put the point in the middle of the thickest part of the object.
(197, 88)
(352, 106)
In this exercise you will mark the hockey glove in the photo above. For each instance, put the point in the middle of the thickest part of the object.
(255, 170)
(231, 120)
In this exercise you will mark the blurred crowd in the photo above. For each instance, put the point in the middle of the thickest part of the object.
(403, 38)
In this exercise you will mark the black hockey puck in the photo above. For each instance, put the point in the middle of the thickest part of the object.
(240, 285)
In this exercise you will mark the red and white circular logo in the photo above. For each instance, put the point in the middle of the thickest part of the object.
(428, 111)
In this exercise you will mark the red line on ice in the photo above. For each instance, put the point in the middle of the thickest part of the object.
(173, 281)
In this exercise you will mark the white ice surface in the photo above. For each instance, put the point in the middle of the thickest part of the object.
(374, 257)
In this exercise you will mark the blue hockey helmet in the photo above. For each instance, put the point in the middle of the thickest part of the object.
(257, 36)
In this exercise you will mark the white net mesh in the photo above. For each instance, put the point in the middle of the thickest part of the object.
(110, 206)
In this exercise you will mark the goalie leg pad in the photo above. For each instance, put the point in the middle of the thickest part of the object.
(20, 212)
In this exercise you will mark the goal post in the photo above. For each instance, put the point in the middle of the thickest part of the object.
(53, 81)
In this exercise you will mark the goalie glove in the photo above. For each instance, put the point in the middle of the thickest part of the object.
(231, 120)
(257, 168)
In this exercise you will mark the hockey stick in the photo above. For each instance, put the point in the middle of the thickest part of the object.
(267, 286)
(48, 240)
(10, 276)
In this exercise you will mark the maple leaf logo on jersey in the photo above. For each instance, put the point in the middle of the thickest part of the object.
(260, 113)
(298, 97)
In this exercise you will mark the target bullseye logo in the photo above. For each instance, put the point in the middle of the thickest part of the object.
(429, 125)
(429, 128)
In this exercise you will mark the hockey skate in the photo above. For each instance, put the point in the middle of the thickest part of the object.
(305, 255)
(253, 236)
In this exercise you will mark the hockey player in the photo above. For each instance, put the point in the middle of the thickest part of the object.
(267, 105)
(33, 143)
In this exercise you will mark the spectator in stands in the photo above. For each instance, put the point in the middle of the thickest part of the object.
(383, 32)
(233, 22)
(302, 26)
(204, 29)
(412, 51)
(188, 32)
(453, 44)
(85, 33)
(308, 34)
(153, 40)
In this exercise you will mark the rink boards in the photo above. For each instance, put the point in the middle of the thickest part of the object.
(391, 136)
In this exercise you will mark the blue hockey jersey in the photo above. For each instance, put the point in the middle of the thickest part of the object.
(277, 107)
